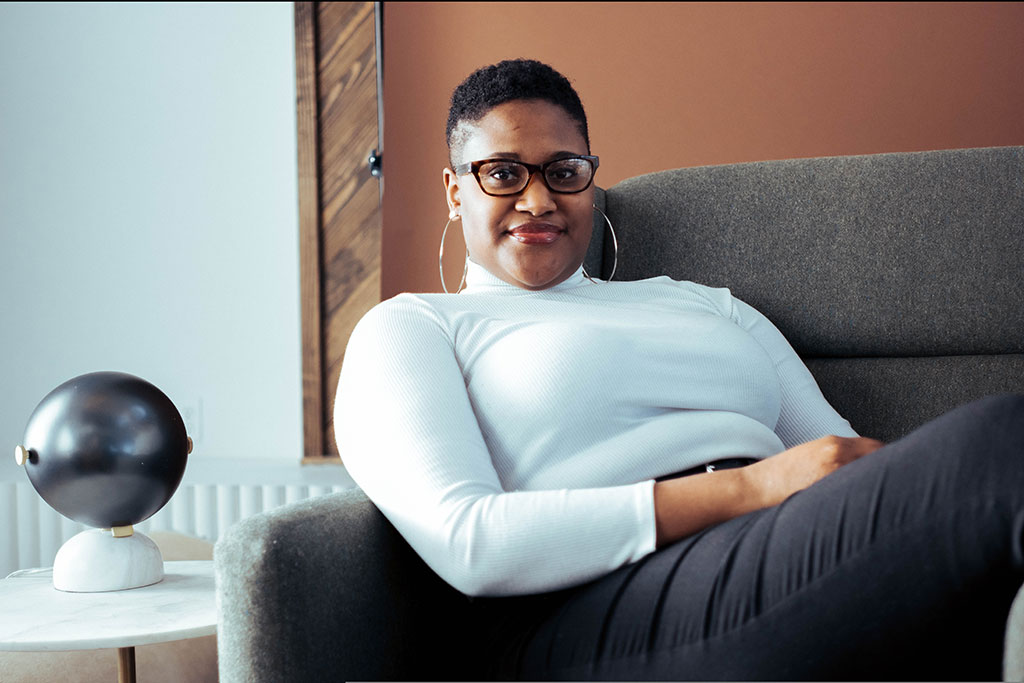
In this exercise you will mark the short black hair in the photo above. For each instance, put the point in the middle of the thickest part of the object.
(512, 79)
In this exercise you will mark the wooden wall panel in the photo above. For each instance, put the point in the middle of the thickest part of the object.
(349, 232)
(309, 226)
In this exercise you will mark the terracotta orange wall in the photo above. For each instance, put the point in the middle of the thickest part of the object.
(669, 85)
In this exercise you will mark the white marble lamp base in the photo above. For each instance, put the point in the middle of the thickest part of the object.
(95, 561)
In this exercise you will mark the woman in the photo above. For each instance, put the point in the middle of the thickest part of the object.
(549, 435)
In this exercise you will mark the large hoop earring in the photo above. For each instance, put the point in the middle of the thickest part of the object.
(440, 259)
(615, 244)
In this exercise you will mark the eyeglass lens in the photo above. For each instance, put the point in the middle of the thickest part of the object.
(510, 177)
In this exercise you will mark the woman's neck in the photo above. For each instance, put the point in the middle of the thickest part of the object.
(479, 279)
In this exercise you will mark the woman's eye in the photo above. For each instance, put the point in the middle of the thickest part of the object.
(567, 174)
(504, 173)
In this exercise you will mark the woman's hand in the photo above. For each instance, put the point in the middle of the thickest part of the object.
(687, 505)
(776, 478)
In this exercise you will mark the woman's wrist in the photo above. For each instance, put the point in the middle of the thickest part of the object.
(753, 490)
(686, 505)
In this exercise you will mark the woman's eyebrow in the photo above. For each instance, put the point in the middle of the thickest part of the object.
(565, 153)
(516, 157)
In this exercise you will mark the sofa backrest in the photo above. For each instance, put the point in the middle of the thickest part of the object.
(897, 277)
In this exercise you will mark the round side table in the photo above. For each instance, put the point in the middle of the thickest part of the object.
(34, 616)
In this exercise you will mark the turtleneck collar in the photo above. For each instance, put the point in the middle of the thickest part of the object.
(479, 280)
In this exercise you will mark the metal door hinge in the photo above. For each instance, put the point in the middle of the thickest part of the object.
(376, 160)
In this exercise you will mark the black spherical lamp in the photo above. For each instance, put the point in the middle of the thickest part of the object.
(106, 449)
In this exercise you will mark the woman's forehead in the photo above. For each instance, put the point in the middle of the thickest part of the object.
(523, 129)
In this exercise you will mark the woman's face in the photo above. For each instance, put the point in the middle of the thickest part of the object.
(537, 238)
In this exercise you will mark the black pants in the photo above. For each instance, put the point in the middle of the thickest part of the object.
(901, 565)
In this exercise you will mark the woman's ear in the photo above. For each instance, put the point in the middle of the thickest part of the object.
(451, 190)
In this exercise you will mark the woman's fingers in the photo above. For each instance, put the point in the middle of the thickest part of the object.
(797, 468)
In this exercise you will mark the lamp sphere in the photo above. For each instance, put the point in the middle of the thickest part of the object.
(106, 449)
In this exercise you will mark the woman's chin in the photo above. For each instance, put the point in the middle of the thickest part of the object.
(539, 279)
(538, 267)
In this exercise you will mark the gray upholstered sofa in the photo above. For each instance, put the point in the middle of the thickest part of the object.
(898, 277)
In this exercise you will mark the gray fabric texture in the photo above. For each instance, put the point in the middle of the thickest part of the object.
(594, 257)
(1013, 645)
(887, 398)
(881, 255)
(326, 589)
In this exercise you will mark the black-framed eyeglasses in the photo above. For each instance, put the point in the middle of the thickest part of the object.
(502, 177)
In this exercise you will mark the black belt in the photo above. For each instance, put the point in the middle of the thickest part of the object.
(724, 464)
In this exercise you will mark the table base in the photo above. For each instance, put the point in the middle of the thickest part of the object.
(126, 665)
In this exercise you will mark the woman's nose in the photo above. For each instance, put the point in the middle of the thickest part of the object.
(536, 198)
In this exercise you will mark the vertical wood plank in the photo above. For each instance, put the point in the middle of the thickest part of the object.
(339, 201)
(307, 104)
(349, 196)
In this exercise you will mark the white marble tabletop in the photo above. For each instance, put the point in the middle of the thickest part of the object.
(36, 616)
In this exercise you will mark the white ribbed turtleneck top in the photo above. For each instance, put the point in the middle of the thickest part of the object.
(512, 437)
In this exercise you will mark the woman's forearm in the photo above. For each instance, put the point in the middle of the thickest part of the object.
(687, 505)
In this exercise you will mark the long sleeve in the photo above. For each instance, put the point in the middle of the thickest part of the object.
(408, 435)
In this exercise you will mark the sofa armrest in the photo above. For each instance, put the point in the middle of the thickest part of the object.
(327, 589)
(1013, 652)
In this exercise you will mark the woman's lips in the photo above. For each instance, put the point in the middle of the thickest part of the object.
(536, 233)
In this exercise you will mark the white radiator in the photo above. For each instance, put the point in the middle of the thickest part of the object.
(31, 531)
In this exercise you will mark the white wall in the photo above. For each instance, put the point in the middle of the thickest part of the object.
(148, 213)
